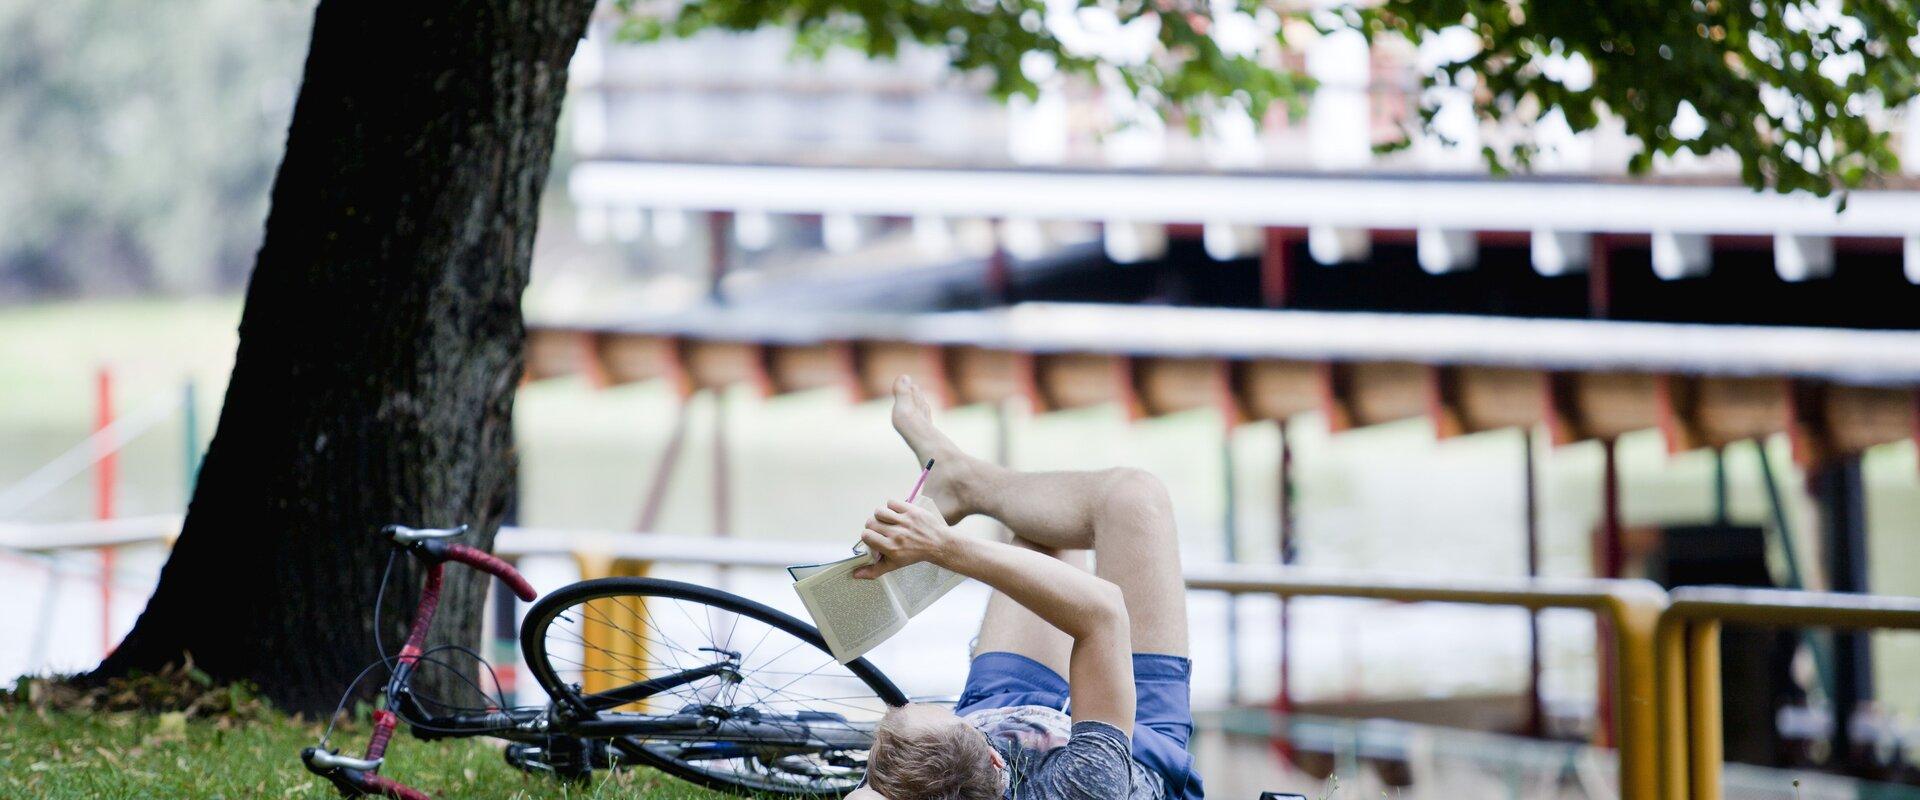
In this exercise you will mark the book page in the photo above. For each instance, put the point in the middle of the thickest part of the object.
(853, 615)
(918, 586)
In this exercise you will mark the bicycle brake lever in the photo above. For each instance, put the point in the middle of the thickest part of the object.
(405, 536)
(319, 760)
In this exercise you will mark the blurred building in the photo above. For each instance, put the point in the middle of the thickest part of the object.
(738, 145)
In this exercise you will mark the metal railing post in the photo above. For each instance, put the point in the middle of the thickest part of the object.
(1633, 607)
(1706, 748)
(1689, 659)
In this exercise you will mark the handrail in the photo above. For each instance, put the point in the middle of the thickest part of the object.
(1687, 650)
(1632, 606)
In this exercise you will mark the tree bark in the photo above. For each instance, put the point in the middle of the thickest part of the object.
(380, 346)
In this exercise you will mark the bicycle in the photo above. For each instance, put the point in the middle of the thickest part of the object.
(756, 704)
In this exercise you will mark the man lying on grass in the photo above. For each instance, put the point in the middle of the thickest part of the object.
(1116, 727)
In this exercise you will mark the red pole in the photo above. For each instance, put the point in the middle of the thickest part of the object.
(104, 475)
(1276, 275)
(1600, 279)
(1609, 559)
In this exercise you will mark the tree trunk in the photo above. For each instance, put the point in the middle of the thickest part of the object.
(379, 349)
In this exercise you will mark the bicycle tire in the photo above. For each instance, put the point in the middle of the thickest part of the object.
(540, 619)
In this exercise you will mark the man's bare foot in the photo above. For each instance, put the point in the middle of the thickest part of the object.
(953, 469)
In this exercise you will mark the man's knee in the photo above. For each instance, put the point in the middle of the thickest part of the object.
(1139, 497)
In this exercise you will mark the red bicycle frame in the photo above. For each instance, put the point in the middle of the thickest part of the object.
(360, 776)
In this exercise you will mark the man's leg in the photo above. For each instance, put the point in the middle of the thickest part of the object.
(1122, 515)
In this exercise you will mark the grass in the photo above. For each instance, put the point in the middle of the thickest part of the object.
(60, 755)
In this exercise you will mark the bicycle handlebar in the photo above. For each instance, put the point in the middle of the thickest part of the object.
(488, 563)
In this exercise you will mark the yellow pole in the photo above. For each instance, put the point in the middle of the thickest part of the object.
(1635, 616)
(610, 628)
(1670, 654)
(1703, 708)
(1634, 606)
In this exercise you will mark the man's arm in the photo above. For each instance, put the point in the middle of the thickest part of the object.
(1085, 607)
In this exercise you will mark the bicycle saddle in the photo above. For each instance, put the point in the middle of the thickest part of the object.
(402, 534)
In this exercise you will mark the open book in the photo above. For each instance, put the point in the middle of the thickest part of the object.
(856, 615)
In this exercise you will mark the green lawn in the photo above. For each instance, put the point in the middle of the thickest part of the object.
(57, 755)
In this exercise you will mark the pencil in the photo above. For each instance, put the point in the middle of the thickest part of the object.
(922, 482)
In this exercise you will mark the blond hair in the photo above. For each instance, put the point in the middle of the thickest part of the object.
(914, 761)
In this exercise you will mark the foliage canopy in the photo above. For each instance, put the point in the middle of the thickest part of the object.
(1798, 90)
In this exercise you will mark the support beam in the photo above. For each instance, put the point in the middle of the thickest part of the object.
(753, 230)
(1557, 253)
(1840, 495)
(1609, 561)
(1330, 245)
(843, 232)
(1600, 279)
(625, 224)
(1134, 242)
(1799, 258)
(1276, 268)
(1530, 508)
(934, 235)
(1024, 238)
(670, 227)
(1678, 256)
(719, 253)
(1225, 241)
(1442, 251)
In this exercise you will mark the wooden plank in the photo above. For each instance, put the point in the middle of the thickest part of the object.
(1601, 405)
(981, 375)
(558, 352)
(630, 358)
(1865, 416)
(877, 364)
(1475, 399)
(805, 367)
(1078, 380)
(1828, 421)
(1170, 385)
(1727, 410)
(1278, 390)
(713, 364)
(1375, 392)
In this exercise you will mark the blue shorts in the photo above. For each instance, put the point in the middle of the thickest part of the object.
(1163, 714)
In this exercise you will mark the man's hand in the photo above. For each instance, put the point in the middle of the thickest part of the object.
(903, 534)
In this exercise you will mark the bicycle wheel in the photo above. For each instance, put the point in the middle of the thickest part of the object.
(618, 652)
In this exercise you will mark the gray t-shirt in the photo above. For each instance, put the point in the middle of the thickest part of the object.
(1049, 757)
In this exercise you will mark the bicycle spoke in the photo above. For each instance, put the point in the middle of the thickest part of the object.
(614, 640)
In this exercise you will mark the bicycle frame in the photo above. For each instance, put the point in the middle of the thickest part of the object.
(354, 777)
(559, 730)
